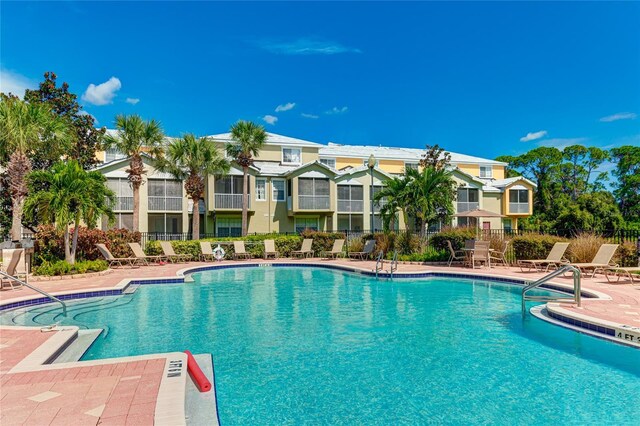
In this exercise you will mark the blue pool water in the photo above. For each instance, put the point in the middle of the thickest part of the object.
(304, 345)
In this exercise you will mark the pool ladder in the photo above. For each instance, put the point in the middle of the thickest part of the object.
(36, 289)
(577, 285)
(380, 263)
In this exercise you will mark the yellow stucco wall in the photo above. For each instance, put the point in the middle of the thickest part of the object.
(505, 200)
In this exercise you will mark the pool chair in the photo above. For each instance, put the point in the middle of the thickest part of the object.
(11, 270)
(336, 250)
(171, 255)
(206, 251)
(270, 249)
(501, 255)
(239, 252)
(143, 258)
(305, 250)
(117, 261)
(480, 254)
(629, 273)
(600, 262)
(554, 258)
(367, 250)
(455, 255)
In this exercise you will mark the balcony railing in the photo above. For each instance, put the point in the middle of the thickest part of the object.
(518, 208)
(123, 203)
(350, 206)
(230, 201)
(313, 202)
(465, 207)
(173, 204)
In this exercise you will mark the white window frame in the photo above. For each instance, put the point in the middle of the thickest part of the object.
(263, 180)
(411, 165)
(292, 149)
(490, 175)
(284, 190)
(330, 159)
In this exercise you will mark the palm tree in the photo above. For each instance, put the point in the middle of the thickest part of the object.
(190, 159)
(24, 130)
(248, 138)
(134, 136)
(72, 195)
(431, 194)
(395, 194)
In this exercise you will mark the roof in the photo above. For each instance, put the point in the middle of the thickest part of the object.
(394, 153)
(272, 168)
(501, 183)
(272, 139)
(354, 170)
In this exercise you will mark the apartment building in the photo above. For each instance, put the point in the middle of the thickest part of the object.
(296, 184)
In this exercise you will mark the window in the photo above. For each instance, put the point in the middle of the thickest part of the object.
(228, 227)
(408, 166)
(518, 201)
(303, 223)
(350, 222)
(165, 194)
(228, 193)
(277, 190)
(291, 155)
(229, 185)
(467, 199)
(261, 189)
(122, 220)
(486, 171)
(123, 191)
(112, 154)
(506, 224)
(331, 162)
(377, 205)
(313, 194)
(350, 198)
(165, 223)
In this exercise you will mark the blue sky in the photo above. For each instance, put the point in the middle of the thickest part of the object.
(479, 78)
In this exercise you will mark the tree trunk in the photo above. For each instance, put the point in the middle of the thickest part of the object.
(74, 244)
(136, 206)
(245, 192)
(18, 168)
(67, 248)
(195, 220)
(16, 220)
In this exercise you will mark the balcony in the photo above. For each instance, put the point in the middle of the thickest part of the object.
(350, 206)
(123, 203)
(173, 204)
(314, 202)
(465, 207)
(519, 208)
(230, 201)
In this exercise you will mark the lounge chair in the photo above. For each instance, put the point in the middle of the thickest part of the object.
(601, 261)
(144, 258)
(239, 252)
(336, 250)
(368, 248)
(206, 251)
(500, 256)
(11, 270)
(305, 250)
(480, 253)
(119, 261)
(171, 255)
(554, 258)
(270, 249)
(627, 272)
(455, 255)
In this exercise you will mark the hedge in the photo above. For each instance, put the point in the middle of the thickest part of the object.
(533, 246)
(61, 267)
(457, 236)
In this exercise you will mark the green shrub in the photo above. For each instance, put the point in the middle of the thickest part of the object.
(61, 267)
(431, 254)
(457, 236)
(407, 243)
(627, 255)
(322, 241)
(533, 246)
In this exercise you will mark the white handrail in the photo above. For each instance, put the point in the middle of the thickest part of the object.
(577, 287)
(36, 289)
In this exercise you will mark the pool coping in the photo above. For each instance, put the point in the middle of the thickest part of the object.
(556, 314)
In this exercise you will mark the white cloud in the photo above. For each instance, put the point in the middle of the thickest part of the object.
(285, 107)
(103, 93)
(306, 46)
(532, 136)
(83, 112)
(132, 101)
(11, 82)
(270, 119)
(305, 115)
(336, 110)
(619, 116)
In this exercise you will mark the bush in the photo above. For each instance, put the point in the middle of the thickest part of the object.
(431, 254)
(584, 247)
(322, 241)
(407, 243)
(61, 267)
(627, 255)
(533, 246)
(356, 245)
(457, 236)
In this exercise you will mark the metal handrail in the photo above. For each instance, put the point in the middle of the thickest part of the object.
(36, 289)
(577, 287)
(379, 262)
(394, 263)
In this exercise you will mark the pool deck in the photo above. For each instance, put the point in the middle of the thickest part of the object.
(136, 390)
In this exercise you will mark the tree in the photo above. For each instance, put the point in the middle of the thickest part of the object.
(432, 192)
(135, 137)
(87, 138)
(627, 190)
(394, 193)
(72, 195)
(435, 157)
(24, 130)
(191, 159)
(592, 211)
(577, 169)
(248, 138)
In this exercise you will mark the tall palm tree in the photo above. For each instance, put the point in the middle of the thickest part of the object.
(431, 193)
(134, 136)
(191, 159)
(24, 130)
(395, 194)
(72, 195)
(248, 138)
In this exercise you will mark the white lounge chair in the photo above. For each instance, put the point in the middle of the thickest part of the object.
(119, 261)
(11, 270)
(368, 248)
(600, 262)
(270, 249)
(554, 258)
(171, 255)
(305, 250)
(239, 251)
(335, 251)
(144, 258)
(206, 251)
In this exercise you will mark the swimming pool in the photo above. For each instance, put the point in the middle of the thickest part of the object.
(308, 345)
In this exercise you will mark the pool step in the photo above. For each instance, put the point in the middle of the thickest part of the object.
(131, 289)
(77, 347)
